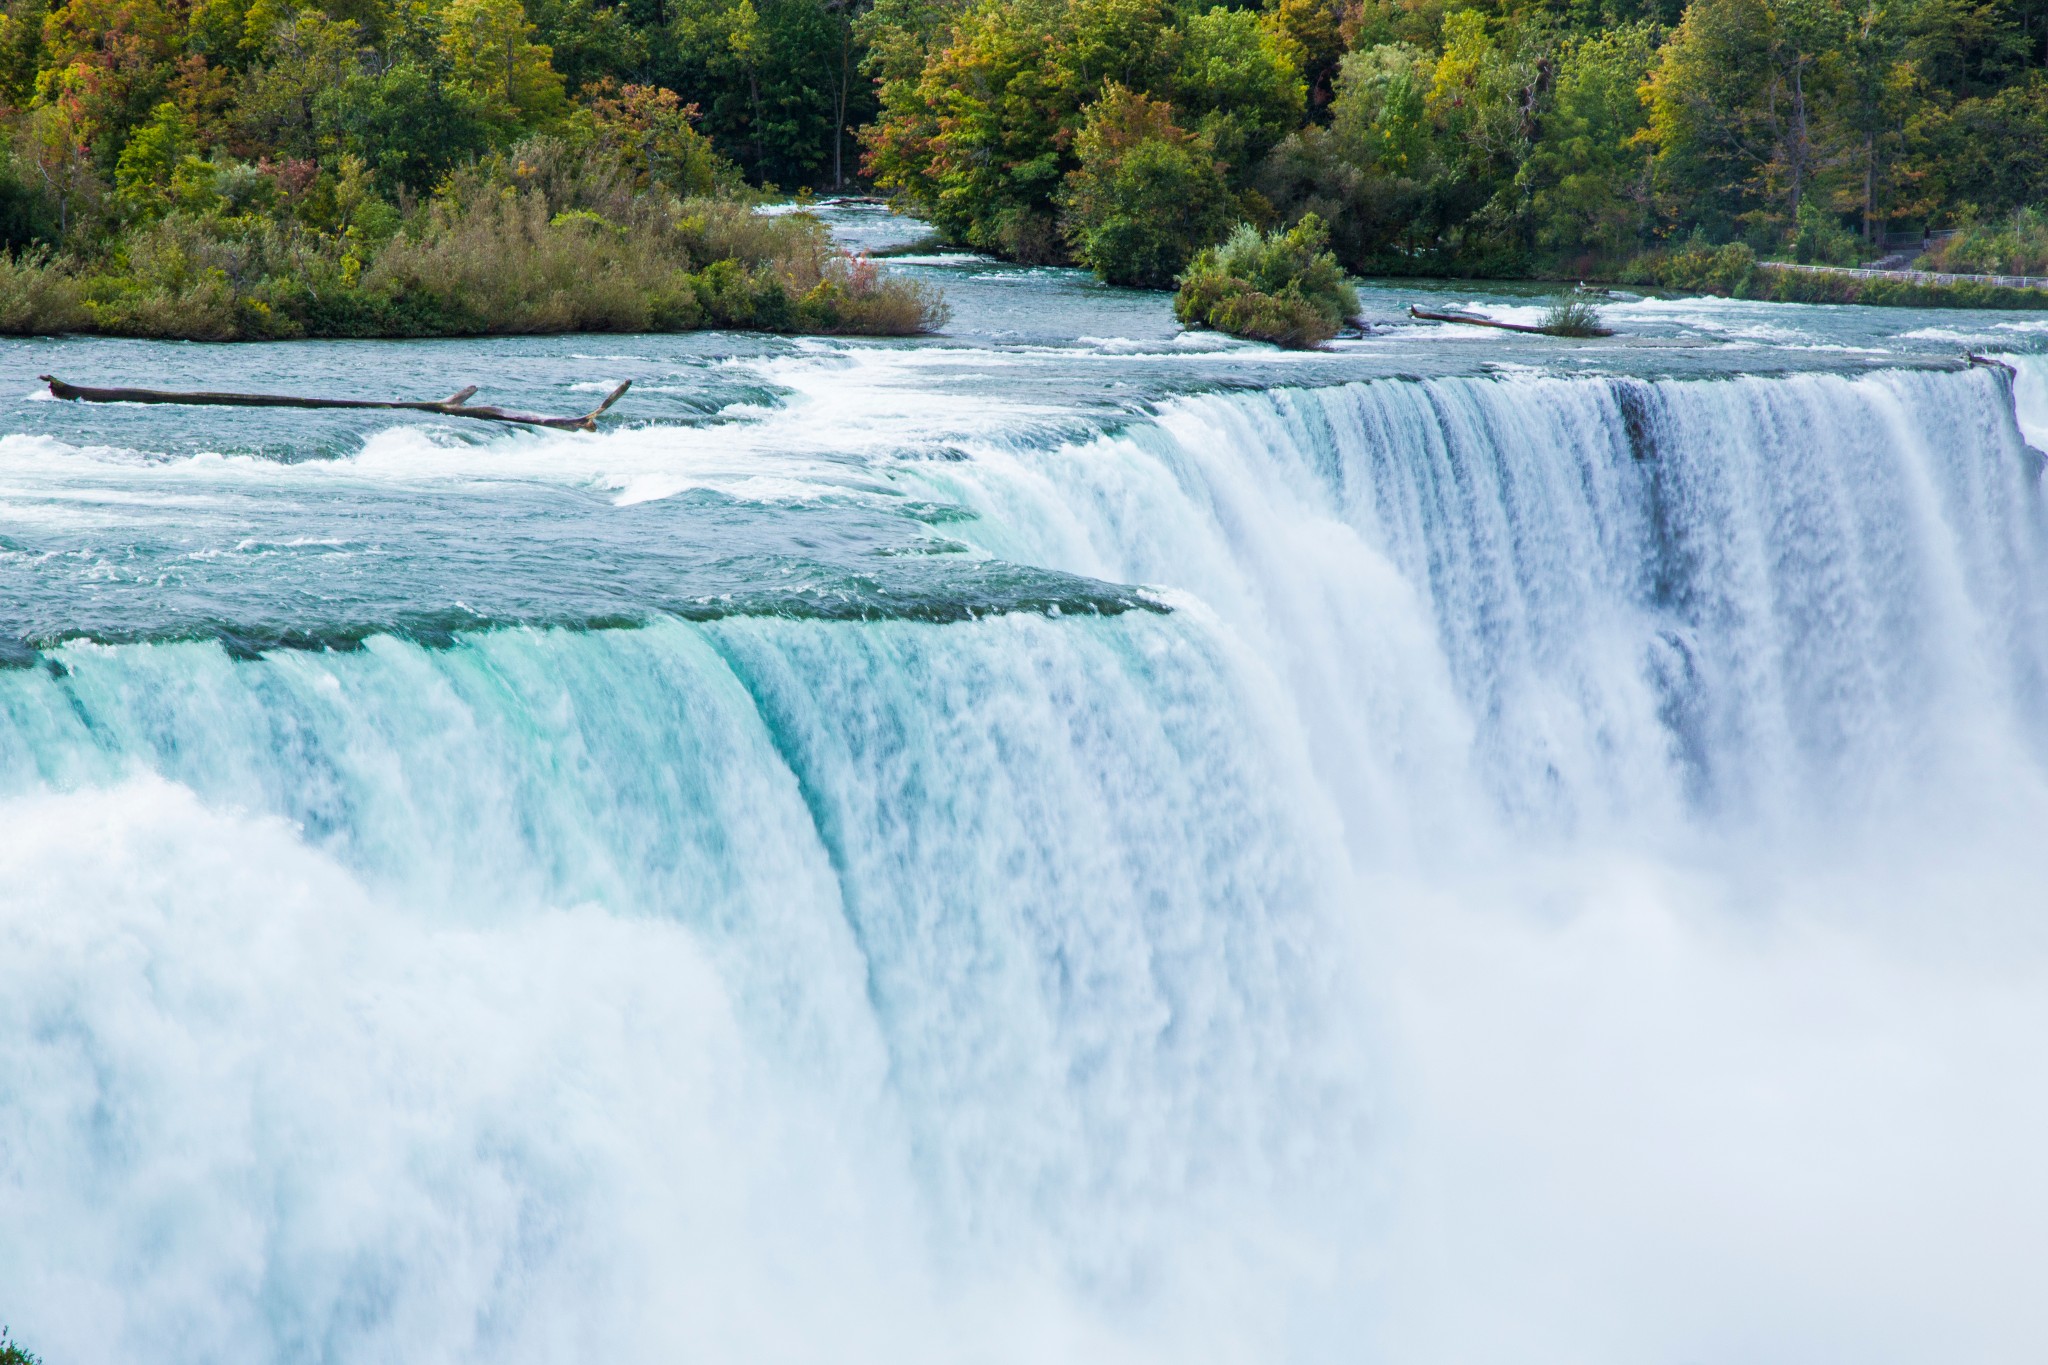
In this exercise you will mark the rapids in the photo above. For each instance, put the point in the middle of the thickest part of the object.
(1059, 842)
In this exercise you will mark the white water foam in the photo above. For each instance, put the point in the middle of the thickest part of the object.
(1563, 886)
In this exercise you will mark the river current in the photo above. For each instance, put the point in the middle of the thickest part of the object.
(1063, 840)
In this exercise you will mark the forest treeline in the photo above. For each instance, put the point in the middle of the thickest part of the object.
(292, 167)
(226, 169)
(1434, 136)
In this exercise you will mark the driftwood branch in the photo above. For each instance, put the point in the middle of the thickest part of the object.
(1473, 321)
(1972, 358)
(455, 405)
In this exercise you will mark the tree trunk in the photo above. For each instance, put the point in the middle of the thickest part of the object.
(1798, 134)
(455, 405)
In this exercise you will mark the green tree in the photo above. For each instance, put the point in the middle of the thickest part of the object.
(649, 130)
(983, 140)
(1878, 92)
(1312, 33)
(1369, 174)
(1486, 98)
(977, 142)
(21, 49)
(491, 52)
(1146, 196)
(899, 37)
(278, 113)
(1739, 107)
(1984, 156)
(589, 41)
(109, 62)
(1235, 77)
(155, 152)
(408, 123)
(1591, 162)
(778, 81)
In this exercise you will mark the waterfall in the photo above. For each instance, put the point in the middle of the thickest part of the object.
(1612, 605)
(1559, 882)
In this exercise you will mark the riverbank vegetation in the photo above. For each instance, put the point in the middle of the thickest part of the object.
(1733, 271)
(259, 168)
(1589, 138)
(243, 169)
(2011, 244)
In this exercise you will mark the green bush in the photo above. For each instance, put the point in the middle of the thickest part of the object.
(1282, 286)
(1733, 271)
(2014, 245)
(1147, 194)
(14, 1353)
(1821, 239)
(1697, 267)
(1573, 315)
(547, 238)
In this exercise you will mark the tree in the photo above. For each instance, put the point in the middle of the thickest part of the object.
(1312, 33)
(1146, 196)
(109, 62)
(1369, 174)
(649, 129)
(21, 49)
(1234, 76)
(1877, 94)
(1591, 163)
(278, 112)
(408, 123)
(589, 41)
(490, 49)
(778, 82)
(1739, 102)
(978, 142)
(1985, 156)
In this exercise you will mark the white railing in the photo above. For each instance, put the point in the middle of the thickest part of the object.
(1915, 276)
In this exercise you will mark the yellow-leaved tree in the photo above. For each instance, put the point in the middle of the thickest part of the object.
(490, 45)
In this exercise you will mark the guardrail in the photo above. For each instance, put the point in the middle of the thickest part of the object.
(1914, 276)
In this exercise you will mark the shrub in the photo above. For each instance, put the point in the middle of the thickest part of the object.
(1147, 194)
(1696, 266)
(38, 295)
(1733, 272)
(1820, 238)
(2013, 245)
(540, 240)
(1283, 286)
(1573, 315)
(13, 1352)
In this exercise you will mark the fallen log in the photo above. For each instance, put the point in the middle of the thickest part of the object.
(456, 404)
(1472, 321)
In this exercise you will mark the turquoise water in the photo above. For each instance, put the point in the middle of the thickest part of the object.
(1061, 840)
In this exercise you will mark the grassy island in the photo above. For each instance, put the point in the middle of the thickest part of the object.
(1282, 287)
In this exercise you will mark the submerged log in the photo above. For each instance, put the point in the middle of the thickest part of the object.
(1470, 320)
(455, 405)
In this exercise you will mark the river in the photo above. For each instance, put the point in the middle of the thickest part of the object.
(1062, 840)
